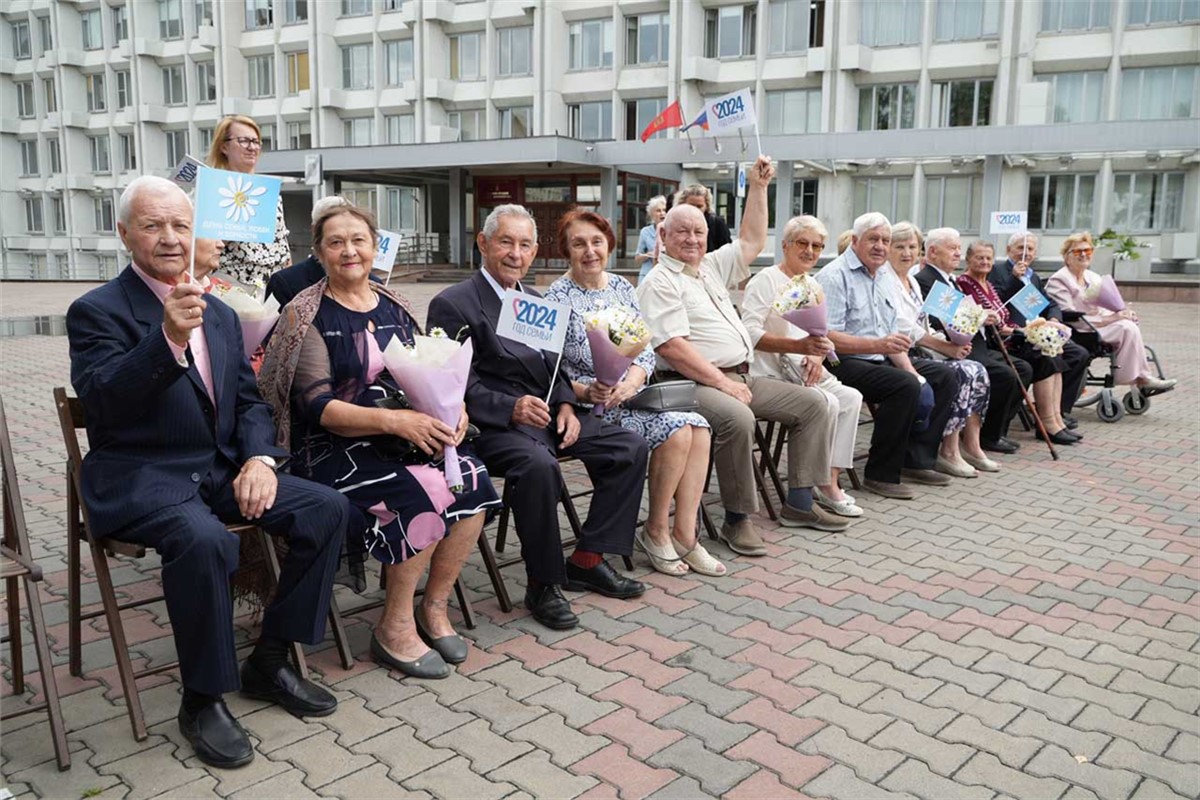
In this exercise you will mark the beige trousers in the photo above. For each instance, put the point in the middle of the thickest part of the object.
(801, 410)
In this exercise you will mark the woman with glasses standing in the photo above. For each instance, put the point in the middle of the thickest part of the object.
(236, 145)
(1119, 328)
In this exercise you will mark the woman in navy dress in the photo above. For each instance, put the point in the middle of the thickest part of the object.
(324, 375)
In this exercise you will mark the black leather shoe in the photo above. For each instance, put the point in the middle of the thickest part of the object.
(216, 736)
(1001, 445)
(1070, 421)
(602, 579)
(1076, 436)
(452, 648)
(1013, 443)
(430, 666)
(550, 608)
(284, 687)
(1062, 437)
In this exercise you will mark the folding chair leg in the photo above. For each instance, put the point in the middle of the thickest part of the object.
(502, 528)
(464, 604)
(116, 631)
(573, 518)
(339, 634)
(13, 597)
(74, 598)
(766, 461)
(493, 571)
(268, 546)
(46, 667)
(855, 482)
(709, 527)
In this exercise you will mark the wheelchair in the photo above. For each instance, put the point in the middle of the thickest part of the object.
(1136, 401)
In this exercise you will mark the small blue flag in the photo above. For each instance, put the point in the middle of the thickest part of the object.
(1029, 301)
(942, 301)
(236, 206)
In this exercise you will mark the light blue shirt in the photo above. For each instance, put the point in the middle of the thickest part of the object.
(856, 303)
(646, 240)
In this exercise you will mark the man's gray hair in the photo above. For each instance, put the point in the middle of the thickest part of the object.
(655, 202)
(326, 203)
(694, 190)
(941, 237)
(980, 244)
(492, 223)
(1020, 237)
(805, 222)
(869, 221)
(143, 184)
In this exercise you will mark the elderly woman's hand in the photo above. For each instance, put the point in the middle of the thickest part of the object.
(460, 432)
(599, 394)
(427, 433)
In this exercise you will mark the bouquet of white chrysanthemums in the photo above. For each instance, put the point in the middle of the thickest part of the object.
(1048, 338)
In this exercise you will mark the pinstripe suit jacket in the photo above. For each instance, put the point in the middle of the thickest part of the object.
(152, 431)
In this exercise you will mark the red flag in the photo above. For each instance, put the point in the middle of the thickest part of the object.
(671, 117)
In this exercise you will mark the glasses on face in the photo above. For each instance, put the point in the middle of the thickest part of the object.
(1082, 252)
(800, 244)
(247, 142)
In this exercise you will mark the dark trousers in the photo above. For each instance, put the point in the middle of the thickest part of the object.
(1077, 359)
(894, 393)
(615, 459)
(199, 555)
(1005, 397)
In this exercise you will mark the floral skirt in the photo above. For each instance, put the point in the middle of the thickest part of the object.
(974, 388)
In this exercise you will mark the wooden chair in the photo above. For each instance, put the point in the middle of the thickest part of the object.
(776, 439)
(17, 567)
(71, 418)
(493, 565)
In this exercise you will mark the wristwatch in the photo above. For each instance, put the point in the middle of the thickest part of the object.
(270, 462)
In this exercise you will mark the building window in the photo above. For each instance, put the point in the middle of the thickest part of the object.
(358, 131)
(392, 5)
(22, 43)
(98, 146)
(515, 123)
(174, 91)
(1157, 12)
(639, 114)
(513, 48)
(206, 82)
(964, 20)
(889, 22)
(59, 209)
(401, 128)
(1075, 15)
(402, 208)
(47, 36)
(953, 202)
(1076, 95)
(398, 61)
(205, 135)
(128, 152)
(124, 88)
(1148, 202)
(258, 14)
(1158, 93)
(647, 39)
(97, 100)
(793, 111)
(295, 11)
(356, 66)
(170, 19)
(29, 158)
(359, 194)
(89, 27)
(962, 104)
(299, 136)
(120, 23)
(1061, 202)
(465, 50)
(50, 92)
(887, 107)
(25, 108)
(804, 196)
(204, 12)
(177, 146)
(268, 136)
(262, 75)
(892, 197)
(590, 121)
(33, 215)
(468, 123)
(54, 155)
(590, 44)
(356, 8)
(297, 72)
(103, 214)
(790, 26)
(730, 31)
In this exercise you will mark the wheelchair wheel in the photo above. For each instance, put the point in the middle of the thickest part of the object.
(1136, 403)
(1108, 409)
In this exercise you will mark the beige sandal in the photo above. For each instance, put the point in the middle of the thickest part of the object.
(699, 559)
(664, 559)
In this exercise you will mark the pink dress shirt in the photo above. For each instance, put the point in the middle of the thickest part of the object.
(198, 341)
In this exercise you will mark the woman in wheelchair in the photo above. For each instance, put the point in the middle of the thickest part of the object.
(1069, 287)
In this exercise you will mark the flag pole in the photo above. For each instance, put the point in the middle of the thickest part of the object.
(757, 138)
(553, 376)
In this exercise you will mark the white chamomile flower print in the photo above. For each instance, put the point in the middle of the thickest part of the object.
(240, 198)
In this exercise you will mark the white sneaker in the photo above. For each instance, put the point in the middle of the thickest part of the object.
(843, 508)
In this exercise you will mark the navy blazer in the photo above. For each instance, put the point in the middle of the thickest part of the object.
(1008, 284)
(502, 371)
(151, 428)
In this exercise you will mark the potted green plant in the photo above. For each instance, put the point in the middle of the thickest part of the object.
(1121, 247)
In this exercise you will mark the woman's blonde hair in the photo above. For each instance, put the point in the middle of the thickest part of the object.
(1074, 239)
(905, 230)
(844, 239)
(216, 156)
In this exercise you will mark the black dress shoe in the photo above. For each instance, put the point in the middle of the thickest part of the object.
(283, 686)
(1001, 445)
(1062, 437)
(1013, 443)
(1070, 421)
(1076, 436)
(602, 579)
(216, 736)
(550, 608)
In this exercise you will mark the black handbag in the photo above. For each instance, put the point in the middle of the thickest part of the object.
(665, 396)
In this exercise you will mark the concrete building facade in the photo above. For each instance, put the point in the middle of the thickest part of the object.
(1085, 113)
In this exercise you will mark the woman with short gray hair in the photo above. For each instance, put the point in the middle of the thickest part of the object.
(647, 249)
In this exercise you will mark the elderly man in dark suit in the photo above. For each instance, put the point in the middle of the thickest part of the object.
(182, 444)
(1014, 275)
(521, 435)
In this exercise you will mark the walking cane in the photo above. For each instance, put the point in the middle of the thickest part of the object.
(1024, 393)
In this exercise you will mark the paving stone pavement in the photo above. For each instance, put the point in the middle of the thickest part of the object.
(1034, 634)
